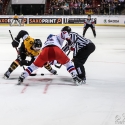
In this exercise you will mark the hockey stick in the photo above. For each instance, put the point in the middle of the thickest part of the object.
(18, 52)
(61, 64)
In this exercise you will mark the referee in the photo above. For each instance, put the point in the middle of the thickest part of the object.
(89, 23)
(82, 48)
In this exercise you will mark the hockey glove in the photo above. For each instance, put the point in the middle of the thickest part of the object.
(25, 62)
(72, 47)
(15, 43)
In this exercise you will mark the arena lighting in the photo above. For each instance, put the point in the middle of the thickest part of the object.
(98, 5)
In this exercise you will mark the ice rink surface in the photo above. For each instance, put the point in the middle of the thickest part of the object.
(53, 100)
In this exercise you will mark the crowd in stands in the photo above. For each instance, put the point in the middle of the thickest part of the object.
(70, 7)
(1, 6)
(80, 7)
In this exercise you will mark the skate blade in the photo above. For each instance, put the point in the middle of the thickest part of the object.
(4, 77)
(18, 83)
(84, 82)
(78, 83)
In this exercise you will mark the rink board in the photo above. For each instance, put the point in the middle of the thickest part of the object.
(57, 20)
(65, 25)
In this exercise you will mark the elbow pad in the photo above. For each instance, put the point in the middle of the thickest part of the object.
(21, 34)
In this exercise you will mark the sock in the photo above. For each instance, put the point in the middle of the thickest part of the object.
(13, 66)
(28, 70)
(71, 69)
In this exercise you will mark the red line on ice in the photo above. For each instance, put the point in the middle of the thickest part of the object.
(46, 88)
(24, 89)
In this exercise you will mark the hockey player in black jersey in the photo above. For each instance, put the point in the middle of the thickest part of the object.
(89, 23)
(30, 47)
(81, 48)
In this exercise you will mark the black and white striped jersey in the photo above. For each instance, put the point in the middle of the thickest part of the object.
(78, 42)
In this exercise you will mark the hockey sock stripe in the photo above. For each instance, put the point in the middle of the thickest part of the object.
(70, 68)
(48, 67)
(17, 62)
(30, 69)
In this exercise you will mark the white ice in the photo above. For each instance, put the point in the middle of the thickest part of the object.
(50, 101)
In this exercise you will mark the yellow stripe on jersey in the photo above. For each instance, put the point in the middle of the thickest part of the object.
(16, 62)
(28, 43)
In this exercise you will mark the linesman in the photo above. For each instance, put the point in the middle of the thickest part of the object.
(89, 23)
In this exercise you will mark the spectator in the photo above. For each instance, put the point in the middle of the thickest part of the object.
(53, 5)
(1, 7)
(112, 9)
(71, 5)
(79, 6)
(66, 8)
(83, 6)
(118, 8)
(60, 1)
(101, 10)
(75, 8)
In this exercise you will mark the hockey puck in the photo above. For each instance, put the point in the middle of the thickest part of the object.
(42, 74)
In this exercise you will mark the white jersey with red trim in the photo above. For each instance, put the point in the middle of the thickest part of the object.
(56, 40)
(89, 22)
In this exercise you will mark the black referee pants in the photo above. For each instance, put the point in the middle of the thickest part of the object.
(86, 27)
(80, 59)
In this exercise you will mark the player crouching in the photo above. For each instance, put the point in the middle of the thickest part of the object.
(52, 51)
(30, 47)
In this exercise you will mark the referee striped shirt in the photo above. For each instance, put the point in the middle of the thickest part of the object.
(78, 42)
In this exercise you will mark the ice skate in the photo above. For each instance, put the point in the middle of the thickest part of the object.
(54, 72)
(6, 75)
(20, 80)
(83, 80)
(77, 81)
